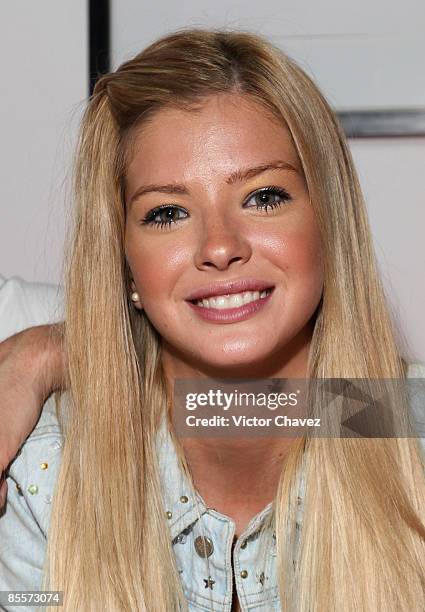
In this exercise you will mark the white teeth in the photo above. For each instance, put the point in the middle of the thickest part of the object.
(232, 301)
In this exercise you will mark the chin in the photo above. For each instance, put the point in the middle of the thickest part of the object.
(233, 361)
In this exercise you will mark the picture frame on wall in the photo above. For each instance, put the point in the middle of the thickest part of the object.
(99, 40)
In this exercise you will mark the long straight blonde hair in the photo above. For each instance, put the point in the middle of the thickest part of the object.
(362, 540)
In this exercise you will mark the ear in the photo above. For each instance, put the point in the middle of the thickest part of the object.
(134, 296)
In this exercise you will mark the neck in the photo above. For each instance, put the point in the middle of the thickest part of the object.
(239, 476)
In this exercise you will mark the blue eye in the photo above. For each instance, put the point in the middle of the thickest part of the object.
(265, 197)
(165, 219)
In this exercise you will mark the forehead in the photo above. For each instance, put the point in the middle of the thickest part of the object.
(228, 131)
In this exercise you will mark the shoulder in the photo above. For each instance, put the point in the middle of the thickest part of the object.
(24, 522)
(24, 304)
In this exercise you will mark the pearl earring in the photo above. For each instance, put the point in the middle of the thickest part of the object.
(134, 297)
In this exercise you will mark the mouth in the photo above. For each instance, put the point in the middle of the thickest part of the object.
(231, 308)
(231, 300)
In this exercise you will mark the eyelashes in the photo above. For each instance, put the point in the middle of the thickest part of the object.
(266, 192)
(166, 212)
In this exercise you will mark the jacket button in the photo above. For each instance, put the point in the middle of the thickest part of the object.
(204, 546)
(244, 574)
(184, 499)
(168, 514)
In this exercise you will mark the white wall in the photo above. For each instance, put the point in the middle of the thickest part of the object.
(392, 176)
(43, 46)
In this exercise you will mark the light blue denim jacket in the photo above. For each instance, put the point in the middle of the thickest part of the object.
(207, 580)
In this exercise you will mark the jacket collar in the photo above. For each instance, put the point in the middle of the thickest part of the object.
(182, 508)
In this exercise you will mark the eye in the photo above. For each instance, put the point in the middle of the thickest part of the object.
(165, 213)
(270, 197)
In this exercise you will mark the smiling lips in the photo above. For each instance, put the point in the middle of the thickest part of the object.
(224, 302)
(227, 303)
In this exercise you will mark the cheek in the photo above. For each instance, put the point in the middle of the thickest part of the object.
(307, 273)
(155, 266)
(299, 254)
(305, 256)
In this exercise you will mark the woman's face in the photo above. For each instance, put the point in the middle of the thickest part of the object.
(207, 169)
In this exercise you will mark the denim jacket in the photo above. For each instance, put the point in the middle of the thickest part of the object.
(205, 565)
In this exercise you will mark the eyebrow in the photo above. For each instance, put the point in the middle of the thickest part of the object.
(235, 177)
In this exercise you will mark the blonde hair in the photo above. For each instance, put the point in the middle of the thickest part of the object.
(362, 539)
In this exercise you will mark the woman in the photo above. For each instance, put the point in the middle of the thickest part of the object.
(209, 164)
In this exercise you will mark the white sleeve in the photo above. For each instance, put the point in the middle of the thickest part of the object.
(417, 397)
(24, 304)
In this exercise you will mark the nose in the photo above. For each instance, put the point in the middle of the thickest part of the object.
(220, 244)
